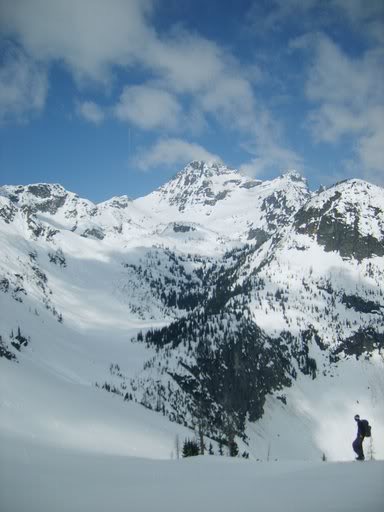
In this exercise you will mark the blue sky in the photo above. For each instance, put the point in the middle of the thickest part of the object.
(112, 97)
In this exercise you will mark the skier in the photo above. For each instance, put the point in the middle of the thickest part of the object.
(357, 444)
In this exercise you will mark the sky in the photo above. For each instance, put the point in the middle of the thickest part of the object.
(113, 97)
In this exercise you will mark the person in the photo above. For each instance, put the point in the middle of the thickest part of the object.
(357, 444)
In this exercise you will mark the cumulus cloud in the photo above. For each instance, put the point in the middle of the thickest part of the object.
(274, 15)
(338, 78)
(363, 16)
(93, 36)
(91, 112)
(231, 100)
(186, 62)
(268, 149)
(172, 151)
(23, 86)
(347, 100)
(89, 36)
(273, 157)
(149, 108)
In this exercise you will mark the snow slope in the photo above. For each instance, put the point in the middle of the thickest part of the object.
(36, 478)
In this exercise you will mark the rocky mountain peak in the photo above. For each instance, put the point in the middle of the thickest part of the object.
(293, 175)
(119, 202)
(50, 201)
(35, 191)
(37, 197)
(205, 168)
(204, 183)
(200, 182)
(347, 218)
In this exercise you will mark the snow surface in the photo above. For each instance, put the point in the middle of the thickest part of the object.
(37, 478)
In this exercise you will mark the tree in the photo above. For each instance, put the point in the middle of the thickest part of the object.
(233, 448)
(190, 448)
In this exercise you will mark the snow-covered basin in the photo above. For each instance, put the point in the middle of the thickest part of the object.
(41, 478)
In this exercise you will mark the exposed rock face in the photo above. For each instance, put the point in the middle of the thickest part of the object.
(182, 228)
(96, 233)
(364, 341)
(51, 199)
(196, 184)
(340, 221)
(7, 211)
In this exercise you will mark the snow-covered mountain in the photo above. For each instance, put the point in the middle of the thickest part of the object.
(222, 303)
(227, 202)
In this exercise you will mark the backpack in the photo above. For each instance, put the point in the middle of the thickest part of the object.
(366, 428)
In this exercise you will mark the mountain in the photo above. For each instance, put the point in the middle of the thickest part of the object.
(246, 309)
(227, 202)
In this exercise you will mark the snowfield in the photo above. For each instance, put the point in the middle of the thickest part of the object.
(38, 478)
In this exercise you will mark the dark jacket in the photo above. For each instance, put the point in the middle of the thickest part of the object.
(361, 430)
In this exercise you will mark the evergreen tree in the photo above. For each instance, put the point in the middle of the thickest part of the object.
(190, 448)
(233, 449)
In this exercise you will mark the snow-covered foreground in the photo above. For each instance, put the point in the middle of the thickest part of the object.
(38, 478)
(66, 446)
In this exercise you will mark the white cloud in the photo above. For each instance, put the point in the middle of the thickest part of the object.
(338, 78)
(171, 151)
(23, 86)
(93, 36)
(89, 36)
(370, 147)
(348, 101)
(91, 112)
(232, 101)
(268, 149)
(273, 15)
(365, 17)
(149, 108)
(271, 157)
(186, 62)
(330, 122)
